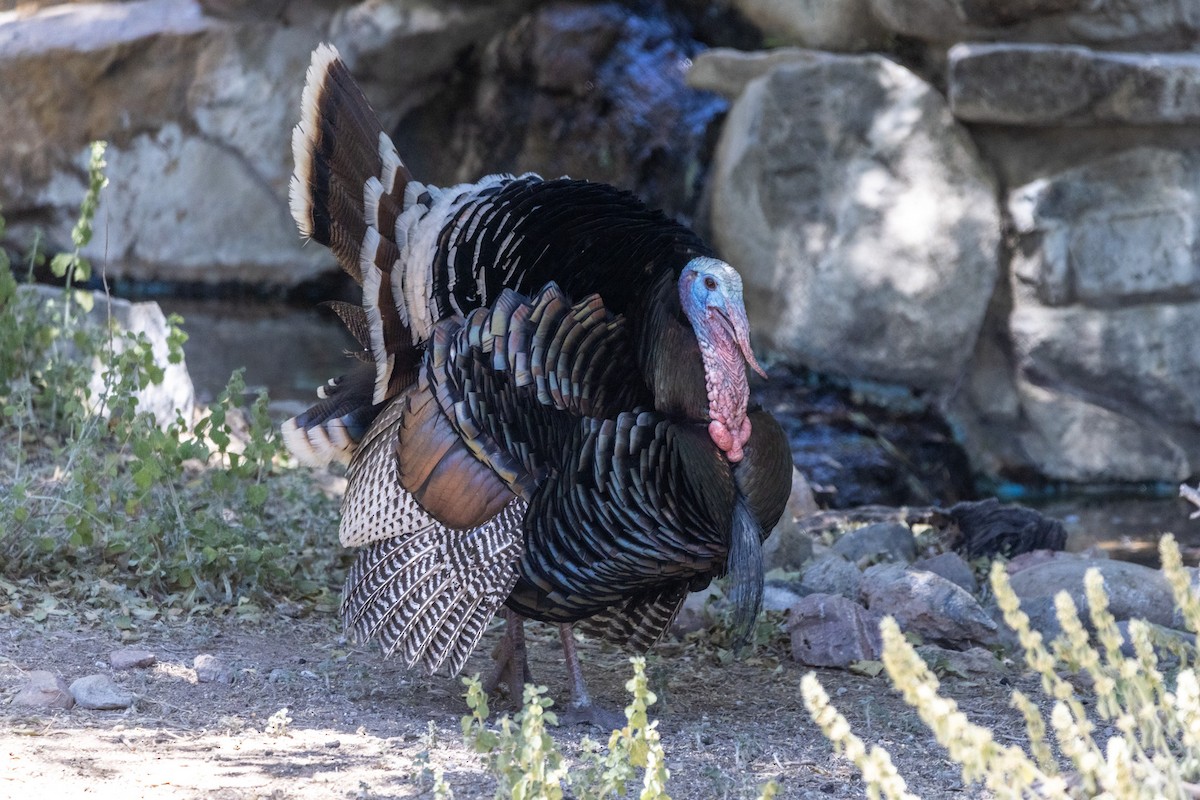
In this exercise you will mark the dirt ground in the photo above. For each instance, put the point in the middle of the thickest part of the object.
(363, 727)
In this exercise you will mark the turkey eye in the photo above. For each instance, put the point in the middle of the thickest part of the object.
(710, 283)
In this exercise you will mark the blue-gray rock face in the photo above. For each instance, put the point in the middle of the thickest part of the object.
(1106, 302)
(861, 217)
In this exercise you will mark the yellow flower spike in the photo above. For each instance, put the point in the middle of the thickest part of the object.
(837, 730)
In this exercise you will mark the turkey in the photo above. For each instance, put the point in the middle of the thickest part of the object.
(550, 413)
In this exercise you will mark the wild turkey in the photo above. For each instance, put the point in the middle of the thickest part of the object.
(552, 413)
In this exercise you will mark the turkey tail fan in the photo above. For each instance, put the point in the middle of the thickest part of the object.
(429, 595)
(745, 571)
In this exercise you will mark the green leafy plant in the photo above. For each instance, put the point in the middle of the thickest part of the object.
(198, 510)
(528, 765)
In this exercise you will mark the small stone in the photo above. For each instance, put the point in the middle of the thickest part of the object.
(952, 567)
(210, 669)
(333, 743)
(131, 658)
(830, 631)
(830, 573)
(280, 675)
(976, 660)
(883, 541)
(44, 689)
(98, 692)
(927, 604)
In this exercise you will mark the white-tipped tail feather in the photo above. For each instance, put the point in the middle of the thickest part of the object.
(300, 199)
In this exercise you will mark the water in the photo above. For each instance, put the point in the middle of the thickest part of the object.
(1127, 526)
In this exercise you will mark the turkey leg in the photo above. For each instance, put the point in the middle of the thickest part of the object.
(512, 662)
(581, 711)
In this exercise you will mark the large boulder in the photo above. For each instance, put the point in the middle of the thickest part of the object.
(1134, 591)
(1165, 25)
(1105, 308)
(1034, 84)
(847, 25)
(861, 217)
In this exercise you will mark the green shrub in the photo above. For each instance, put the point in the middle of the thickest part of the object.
(199, 511)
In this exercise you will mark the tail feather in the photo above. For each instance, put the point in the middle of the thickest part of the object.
(346, 192)
(429, 596)
(338, 146)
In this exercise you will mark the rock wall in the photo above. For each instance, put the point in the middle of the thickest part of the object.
(993, 202)
(198, 98)
(873, 202)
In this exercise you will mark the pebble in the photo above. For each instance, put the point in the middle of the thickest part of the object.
(210, 669)
(131, 658)
(44, 689)
(98, 692)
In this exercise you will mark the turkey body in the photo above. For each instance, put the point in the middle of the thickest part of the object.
(551, 411)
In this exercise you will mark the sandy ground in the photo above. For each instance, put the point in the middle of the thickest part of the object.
(363, 727)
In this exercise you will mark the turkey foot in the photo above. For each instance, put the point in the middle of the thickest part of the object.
(581, 710)
(512, 662)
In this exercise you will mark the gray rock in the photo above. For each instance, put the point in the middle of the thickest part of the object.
(1134, 591)
(98, 692)
(831, 573)
(927, 604)
(1035, 557)
(43, 689)
(1162, 637)
(175, 394)
(695, 614)
(210, 669)
(194, 107)
(952, 567)
(1016, 84)
(1113, 231)
(778, 596)
(830, 631)
(848, 197)
(883, 541)
(1170, 25)
(727, 71)
(975, 661)
(842, 26)
(131, 658)
(1105, 294)
(587, 90)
